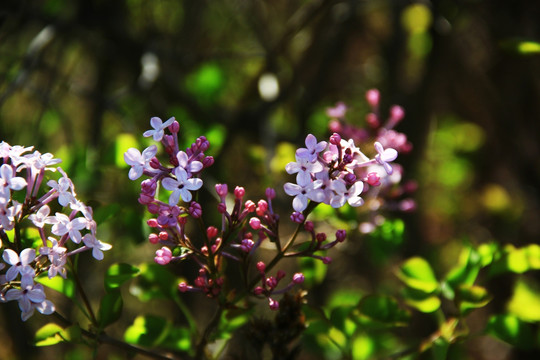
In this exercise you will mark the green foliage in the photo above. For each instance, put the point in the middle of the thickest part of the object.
(110, 308)
(117, 274)
(511, 329)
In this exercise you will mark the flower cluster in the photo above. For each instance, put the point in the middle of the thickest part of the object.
(383, 186)
(22, 206)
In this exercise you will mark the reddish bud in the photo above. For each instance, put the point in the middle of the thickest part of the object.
(211, 232)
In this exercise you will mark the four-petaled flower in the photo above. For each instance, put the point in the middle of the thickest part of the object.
(30, 296)
(312, 149)
(304, 191)
(97, 246)
(181, 186)
(384, 156)
(159, 128)
(139, 162)
(8, 180)
(19, 264)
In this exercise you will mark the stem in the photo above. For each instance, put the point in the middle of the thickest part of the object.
(106, 339)
(81, 291)
(207, 332)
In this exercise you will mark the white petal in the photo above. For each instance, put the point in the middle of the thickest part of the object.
(10, 256)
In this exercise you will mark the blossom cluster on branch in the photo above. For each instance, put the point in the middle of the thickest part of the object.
(24, 205)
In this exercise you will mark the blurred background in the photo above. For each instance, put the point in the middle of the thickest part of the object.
(81, 79)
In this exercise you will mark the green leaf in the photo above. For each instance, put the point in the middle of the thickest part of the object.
(154, 282)
(119, 273)
(525, 302)
(110, 308)
(147, 330)
(48, 335)
(421, 301)
(521, 46)
(104, 213)
(471, 297)
(63, 286)
(511, 329)
(314, 271)
(121, 145)
(466, 269)
(417, 274)
(383, 309)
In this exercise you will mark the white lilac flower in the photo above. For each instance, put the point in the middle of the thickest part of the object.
(43, 161)
(304, 168)
(19, 264)
(8, 214)
(343, 195)
(63, 225)
(8, 180)
(304, 191)
(139, 162)
(30, 297)
(40, 217)
(57, 256)
(181, 186)
(384, 156)
(159, 127)
(64, 188)
(97, 246)
(190, 167)
(312, 149)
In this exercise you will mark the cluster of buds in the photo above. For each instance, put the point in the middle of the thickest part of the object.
(23, 206)
(326, 172)
(381, 192)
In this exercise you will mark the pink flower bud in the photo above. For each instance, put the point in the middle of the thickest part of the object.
(154, 163)
(341, 235)
(163, 235)
(298, 278)
(262, 206)
(270, 193)
(308, 226)
(396, 114)
(271, 282)
(239, 192)
(372, 120)
(326, 260)
(373, 97)
(222, 208)
(274, 305)
(261, 266)
(258, 290)
(211, 232)
(174, 127)
(280, 274)
(255, 223)
(204, 250)
(208, 161)
(163, 256)
(250, 206)
(297, 217)
(153, 238)
(222, 191)
(321, 237)
(335, 139)
(152, 223)
(373, 179)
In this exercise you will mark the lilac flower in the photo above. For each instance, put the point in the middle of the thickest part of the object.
(64, 188)
(180, 186)
(40, 217)
(312, 149)
(8, 180)
(190, 166)
(63, 225)
(159, 127)
(19, 264)
(168, 215)
(350, 195)
(337, 111)
(8, 214)
(384, 156)
(57, 256)
(139, 162)
(97, 246)
(30, 296)
(304, 167)
(40, 162)
(304, 191)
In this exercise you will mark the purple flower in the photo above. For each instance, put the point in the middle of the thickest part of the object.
(304, 167)
(181, 186)
(64, 188)
(159, 127)
(97, 246)
(19, 264)
(8, 180)
(312, 149)
(30, 296)
(63, 225)
(168, 215)
(384, 156)
(139, 162)
(304, 191)
(190, 166)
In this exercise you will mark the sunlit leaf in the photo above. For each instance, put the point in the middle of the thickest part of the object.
(314, 271)
(471, 297)
(147, 330)
(64, 286)
(117, 274)
(154, 282)
(48, 335)
(421, 301)
(363, 347)
(525, 301)
(511, 329)
(122, 143)
(416, 273)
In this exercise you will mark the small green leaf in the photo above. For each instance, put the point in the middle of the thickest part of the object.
(383, 309)
(471, 297)
(525, 302)
(119, 273)
(421, 301)
(110, 308)
(511, 329)
(48, 335)
(63, 286)
(417, 274)
(314, 271)
(154, 282)
(147, 330)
